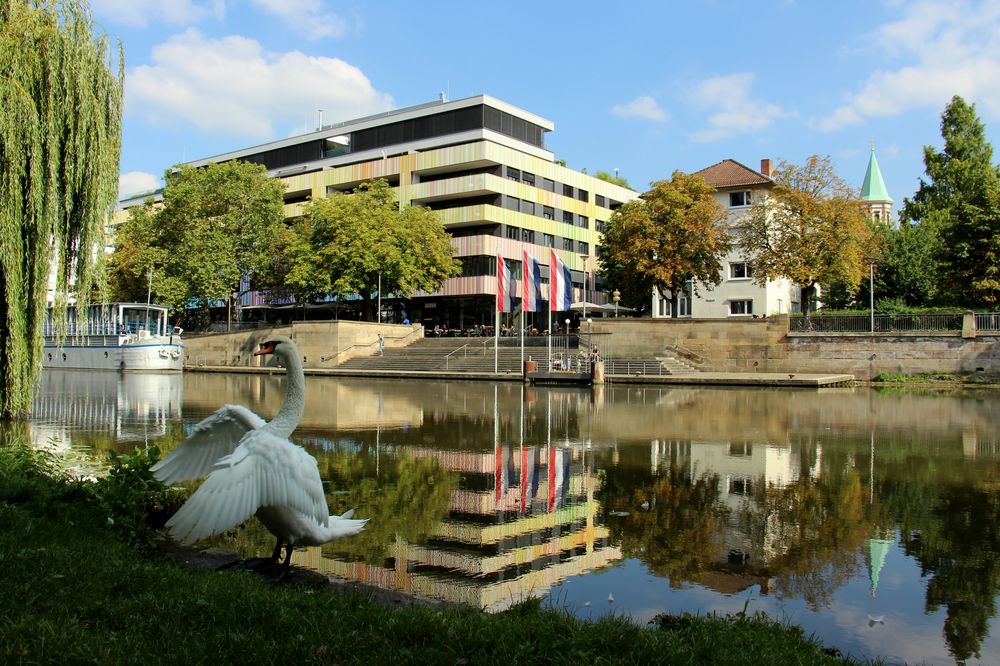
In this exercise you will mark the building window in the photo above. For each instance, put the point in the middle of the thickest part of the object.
(600, 200)
(583, 248)
(664, 307)
(584, 221)
(739, 199)
(740, 486)
(528, 178)
(740, 449)
(740, 270)
(511, 203)
(548, 212)
(568, 244)
(528, 236)
(741, 307)
(599, 225)
(513, 174)
(513, 233)
(547, 185)
(567, 190)
(549, 240)
(567, 217)
(527, 207)
(583, 195)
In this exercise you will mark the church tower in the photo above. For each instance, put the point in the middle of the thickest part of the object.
(875, 199)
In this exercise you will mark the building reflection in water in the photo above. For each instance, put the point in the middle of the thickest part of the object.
(523, 518)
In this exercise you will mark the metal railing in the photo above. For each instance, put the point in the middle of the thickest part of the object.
(884, 323)
(465, 353)
(988, 322)
(634, 367)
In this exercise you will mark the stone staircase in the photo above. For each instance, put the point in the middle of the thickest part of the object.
(441, 354)
(667, 365)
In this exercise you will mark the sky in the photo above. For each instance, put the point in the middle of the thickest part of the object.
(646, 88)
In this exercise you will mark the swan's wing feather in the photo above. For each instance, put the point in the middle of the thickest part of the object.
(264, 470)
(340, 526)
(212, 438)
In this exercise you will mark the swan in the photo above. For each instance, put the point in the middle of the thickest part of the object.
(252, 468)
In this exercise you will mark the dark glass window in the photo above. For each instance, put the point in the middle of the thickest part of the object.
(584, 248)
(584, 221)
(513, 232)
(528, 236)
(528, 178)
(567, 217)
(511, 203)
(548, 240)
(582, 195)
(568, 244)
(548, 212)
(527, 207)
(513, 174)
(567, 190)
(547, 185)
(600, 200)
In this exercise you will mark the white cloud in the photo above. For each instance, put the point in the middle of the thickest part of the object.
(945, 48)
(136, 182)
(232, 86)
(140, 13)
(307, 16)
(641, 107)
(738, 112)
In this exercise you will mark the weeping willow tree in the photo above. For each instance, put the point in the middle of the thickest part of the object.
(60, 139)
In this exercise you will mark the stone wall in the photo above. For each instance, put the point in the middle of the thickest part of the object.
(765, 345)
(323, 344)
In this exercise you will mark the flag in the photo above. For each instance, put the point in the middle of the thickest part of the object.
(505, 292)
(560, 284)
(531, 298)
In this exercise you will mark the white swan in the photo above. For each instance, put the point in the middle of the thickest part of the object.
(252, 469)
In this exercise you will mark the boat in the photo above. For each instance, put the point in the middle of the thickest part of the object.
(125, 337)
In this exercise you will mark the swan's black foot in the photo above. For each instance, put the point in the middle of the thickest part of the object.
(258, 564)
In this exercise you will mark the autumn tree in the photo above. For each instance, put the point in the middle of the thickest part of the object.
(350, 242)
(216, 224)
(810, 229)
(962, 193)
(60, 140)
(674, 233)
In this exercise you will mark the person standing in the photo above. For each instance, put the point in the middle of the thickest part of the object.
(381, 345)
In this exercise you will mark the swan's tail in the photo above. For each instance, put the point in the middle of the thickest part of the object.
(343, 525)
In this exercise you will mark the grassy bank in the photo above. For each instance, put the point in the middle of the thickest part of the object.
(74, 591)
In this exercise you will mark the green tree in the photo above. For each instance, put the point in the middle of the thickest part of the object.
(809, 229)
(674, 233)
(963, 192)
(216, 224)
(60, 140)
(614, 178)
(348, 243)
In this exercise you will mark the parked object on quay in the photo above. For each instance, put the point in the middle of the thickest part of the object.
(253, 468)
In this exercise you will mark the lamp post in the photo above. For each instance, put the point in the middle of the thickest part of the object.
(871, 293)
(617, 296)
(584, 257)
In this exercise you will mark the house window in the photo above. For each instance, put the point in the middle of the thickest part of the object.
(567, 217)
(739, 199)
(740, 486)
(568, 244)
(664, 307)
(583, 195)
(513, 233)
(599, 225)
(584, 221)
(600, 200)
(567, 190)
(513, 174)
(549, 240)
(527, 207)
(584, 248)
(740, 270)
(527, 236)
(528, 178)
(547, 185)
(511, 203)
(548, 213)
(741, 307)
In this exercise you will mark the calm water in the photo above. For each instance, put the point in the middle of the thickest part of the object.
(871, 519)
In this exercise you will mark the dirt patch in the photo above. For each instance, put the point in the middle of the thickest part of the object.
(220, 559)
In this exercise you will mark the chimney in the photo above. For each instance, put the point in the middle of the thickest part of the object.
(767, 167)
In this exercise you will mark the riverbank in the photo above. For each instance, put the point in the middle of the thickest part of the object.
(73, 592)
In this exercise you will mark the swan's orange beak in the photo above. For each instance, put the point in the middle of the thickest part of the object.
(265, 348)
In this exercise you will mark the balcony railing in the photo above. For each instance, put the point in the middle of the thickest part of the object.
(883, 323)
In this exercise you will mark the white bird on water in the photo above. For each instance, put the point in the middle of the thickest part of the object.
(252, 469)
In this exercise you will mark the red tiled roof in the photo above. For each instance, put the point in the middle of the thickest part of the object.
(730, 173)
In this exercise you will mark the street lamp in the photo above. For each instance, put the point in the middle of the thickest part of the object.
(617, 296)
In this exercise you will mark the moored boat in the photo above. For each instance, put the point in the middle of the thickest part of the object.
(126, 337)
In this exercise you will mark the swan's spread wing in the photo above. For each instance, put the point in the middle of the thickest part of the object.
(214, 437)
(264, 470)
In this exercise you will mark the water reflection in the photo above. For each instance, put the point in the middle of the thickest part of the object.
(871, 519)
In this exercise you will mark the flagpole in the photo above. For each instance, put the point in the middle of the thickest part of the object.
(496, 343)
(522, 330)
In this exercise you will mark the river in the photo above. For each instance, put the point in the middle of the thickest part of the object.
(871, 518)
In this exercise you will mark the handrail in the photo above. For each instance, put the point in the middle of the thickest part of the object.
(447, 357)
(683, 351)
(413, 331)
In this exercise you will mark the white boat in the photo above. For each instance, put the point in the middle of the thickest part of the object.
(126, 337)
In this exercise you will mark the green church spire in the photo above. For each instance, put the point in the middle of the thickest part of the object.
(873, 188)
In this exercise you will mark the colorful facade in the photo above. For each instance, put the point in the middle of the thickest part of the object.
(480, 162)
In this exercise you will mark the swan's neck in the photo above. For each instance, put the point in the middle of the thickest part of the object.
(288, 417)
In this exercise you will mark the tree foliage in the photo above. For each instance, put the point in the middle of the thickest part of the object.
(60, 140)
(810, 229)
(963, 193)
(674, 233)
(614, 178)
(216, 224)
(347, 243)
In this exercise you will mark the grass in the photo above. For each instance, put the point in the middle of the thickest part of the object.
(74, 592)
(959, 379)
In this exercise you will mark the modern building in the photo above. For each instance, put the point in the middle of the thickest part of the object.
(479, 161)
(738, 294)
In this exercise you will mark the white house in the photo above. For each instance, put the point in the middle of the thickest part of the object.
(737, 295)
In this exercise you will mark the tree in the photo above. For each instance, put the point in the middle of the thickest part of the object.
(614, 179)
(673, 233)
(963, 191)
(216, 224)
(349, 243)
(60, 139)
(810, 229)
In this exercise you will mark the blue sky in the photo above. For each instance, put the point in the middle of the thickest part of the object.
(644, 87)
